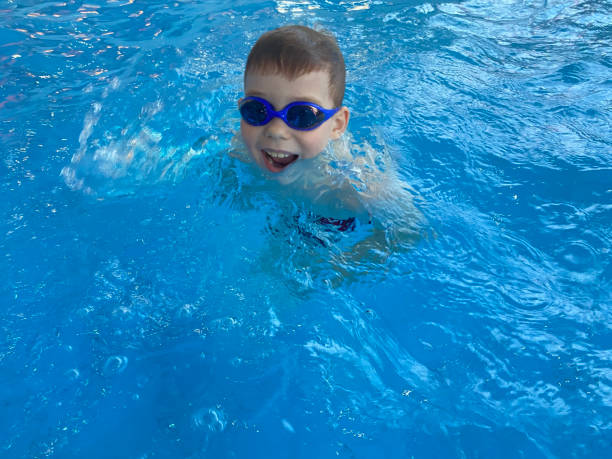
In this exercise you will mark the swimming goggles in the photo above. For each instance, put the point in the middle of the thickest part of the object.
(303, 116)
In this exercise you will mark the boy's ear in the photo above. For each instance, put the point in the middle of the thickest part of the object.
(340, 122)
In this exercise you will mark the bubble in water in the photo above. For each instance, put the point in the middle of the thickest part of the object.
(114, 84)
(425, 8)
(72, 374)
(185, 311)
(578, 256)
(115, 365)
(559, 216)
(142, 381)
(274, 323)
(226, 323)
(287, 425)
(211, 419)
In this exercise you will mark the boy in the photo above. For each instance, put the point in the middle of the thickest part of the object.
(294, 84)
(292, 110)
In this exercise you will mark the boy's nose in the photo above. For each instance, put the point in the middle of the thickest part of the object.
(276, 129)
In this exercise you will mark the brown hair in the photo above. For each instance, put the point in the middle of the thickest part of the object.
(296, 50)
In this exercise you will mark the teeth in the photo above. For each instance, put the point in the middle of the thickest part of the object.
(275, 154)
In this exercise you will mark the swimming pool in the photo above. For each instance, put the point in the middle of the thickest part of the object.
(160, 300)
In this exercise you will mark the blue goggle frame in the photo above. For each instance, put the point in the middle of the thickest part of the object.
(299, 115)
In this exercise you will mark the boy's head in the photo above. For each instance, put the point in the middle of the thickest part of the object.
(288, 65)
(293, 51)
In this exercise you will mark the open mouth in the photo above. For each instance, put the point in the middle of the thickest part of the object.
(276, 160)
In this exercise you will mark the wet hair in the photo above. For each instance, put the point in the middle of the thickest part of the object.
(296, 50)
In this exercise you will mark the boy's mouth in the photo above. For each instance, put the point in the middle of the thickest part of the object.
(276, 160)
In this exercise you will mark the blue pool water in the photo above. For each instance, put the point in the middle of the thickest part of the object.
(160, 298)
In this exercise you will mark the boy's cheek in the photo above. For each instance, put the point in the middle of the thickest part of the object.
(249, 138)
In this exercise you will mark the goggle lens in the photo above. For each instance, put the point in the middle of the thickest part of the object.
(254, 112)
(304, 117)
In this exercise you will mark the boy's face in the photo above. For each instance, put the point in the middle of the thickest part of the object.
(275, 146)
